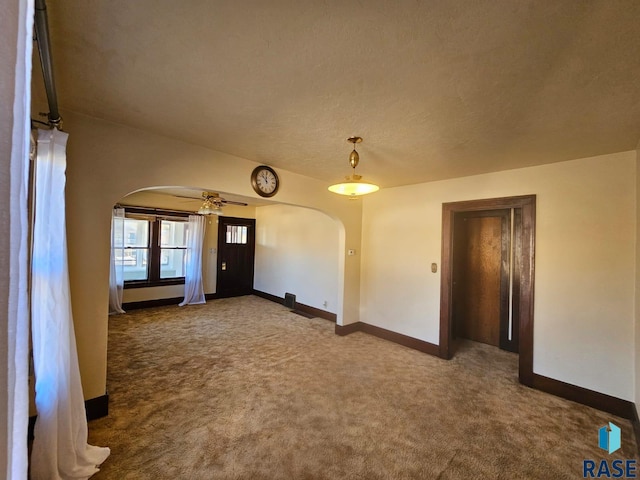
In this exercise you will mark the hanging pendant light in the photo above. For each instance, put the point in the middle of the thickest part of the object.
(354, 186)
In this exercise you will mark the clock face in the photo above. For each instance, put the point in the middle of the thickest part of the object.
(265, 181)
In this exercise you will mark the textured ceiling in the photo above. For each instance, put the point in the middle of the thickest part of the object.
(437, 89)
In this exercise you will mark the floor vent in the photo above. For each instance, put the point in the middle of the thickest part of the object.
(289, 300)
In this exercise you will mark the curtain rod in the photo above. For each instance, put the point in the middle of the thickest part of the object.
(44, 49)
(155, 211)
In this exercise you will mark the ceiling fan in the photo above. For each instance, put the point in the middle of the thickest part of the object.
(213, 204)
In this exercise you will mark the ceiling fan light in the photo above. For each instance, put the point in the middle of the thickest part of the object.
(209, 208)
(205, 210)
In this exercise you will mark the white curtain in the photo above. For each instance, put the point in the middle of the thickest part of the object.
(116, 276)
(60, 449)
(14, 246)
(193, 289)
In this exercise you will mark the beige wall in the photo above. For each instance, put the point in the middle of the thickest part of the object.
(298, 251)
(585, 263)
(210, 254)
(107, 161)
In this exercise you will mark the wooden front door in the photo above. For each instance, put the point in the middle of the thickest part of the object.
(481, 277)
(236, 252)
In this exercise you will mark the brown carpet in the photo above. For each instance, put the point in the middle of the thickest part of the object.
(242, 388)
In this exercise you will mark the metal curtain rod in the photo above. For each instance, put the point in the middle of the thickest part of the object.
(153, 211)
(44, 49)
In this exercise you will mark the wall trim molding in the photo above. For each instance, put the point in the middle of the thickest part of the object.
(163, 302)
(343, 330)
(97, 407)
(590, 398)
(316, 312)
(299, 307)
(394, 337)
(160, 302)
(268, 296)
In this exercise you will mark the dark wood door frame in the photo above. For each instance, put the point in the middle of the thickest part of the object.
(527, 204)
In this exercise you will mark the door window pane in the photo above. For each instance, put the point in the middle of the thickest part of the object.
(236, 234)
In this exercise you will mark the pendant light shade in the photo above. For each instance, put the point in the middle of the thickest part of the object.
(213, 204)
(209, 207)
(354, 186)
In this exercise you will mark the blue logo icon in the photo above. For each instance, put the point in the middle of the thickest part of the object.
(609, 438)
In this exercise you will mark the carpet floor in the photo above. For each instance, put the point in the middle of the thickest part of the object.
(241, 388)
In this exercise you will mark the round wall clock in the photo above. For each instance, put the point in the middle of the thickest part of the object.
(265, 181)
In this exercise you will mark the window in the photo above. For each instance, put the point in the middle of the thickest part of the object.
(135, 260)
(155, 250)
(173, 246)
(236, 234)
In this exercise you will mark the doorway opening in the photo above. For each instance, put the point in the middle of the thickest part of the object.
(482, 298)
(488, 276)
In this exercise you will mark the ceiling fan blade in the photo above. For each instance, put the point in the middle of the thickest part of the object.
(186, 196)
(231, 202)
